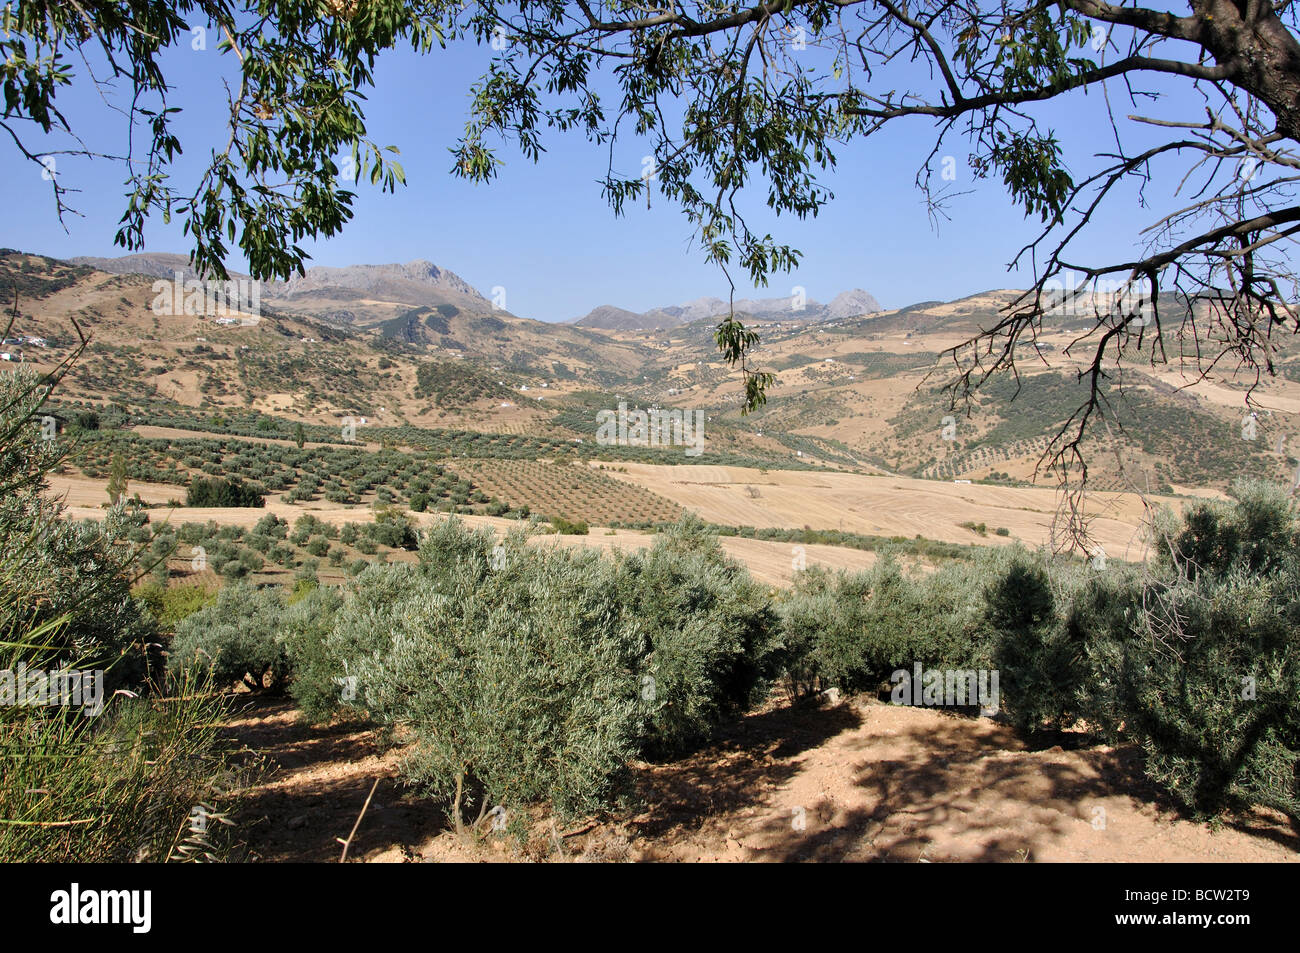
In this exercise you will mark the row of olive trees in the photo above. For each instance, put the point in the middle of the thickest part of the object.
(522, 673)
(1194, 657)
(536, 673)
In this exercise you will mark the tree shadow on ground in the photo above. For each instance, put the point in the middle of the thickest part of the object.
(934, 789)
(753, 756)
(902, 790)
(317, 788)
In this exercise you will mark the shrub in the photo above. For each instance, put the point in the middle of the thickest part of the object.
(236, 639)
(1218, 710)
(807, 612)
(531, 674)
(307, 571)
(223, 491)
(261, 544)
(1208, 672)
(119, 786)
(166, 756)
(568, 528)
(304, 528)
(712, 636)
(1040, 667)
(168, 605)
(449, 544)
(303, 629)
(325, 653)
(393, 528)
(519, 684)
(232, 569)
(1195, 660)
(853, 631)
(272, 527)
(54, 570)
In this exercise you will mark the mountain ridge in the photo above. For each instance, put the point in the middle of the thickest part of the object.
(323, 288)
(847, 304)
(348, 294)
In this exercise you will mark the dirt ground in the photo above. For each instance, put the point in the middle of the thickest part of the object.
(854, 781)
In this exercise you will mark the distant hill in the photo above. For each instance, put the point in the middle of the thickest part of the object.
(417, 282)
(610, 318)
(355, 294)
(856, 386)
(153, 264)
(847, 304)
(371, 295)
(298, 353)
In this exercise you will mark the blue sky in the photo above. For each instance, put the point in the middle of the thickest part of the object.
(544, 233)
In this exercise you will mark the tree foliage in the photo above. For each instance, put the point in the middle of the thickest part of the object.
(1192, 658)
(238, 638)
(530, 673)
(222, 491)
(54, 572)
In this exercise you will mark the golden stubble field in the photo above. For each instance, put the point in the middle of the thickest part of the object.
(889, 505)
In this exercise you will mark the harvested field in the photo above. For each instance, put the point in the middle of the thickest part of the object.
(771, 562)
(887, 505)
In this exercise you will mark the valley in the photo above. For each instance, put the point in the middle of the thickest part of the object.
(689, 433)
(855, 437)
(364, 412)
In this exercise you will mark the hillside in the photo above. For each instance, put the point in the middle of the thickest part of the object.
(859, 392)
